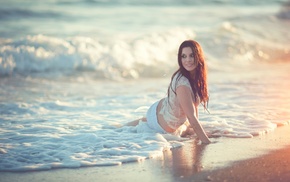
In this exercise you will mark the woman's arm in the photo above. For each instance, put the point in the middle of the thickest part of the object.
(185, 99)
(196, 111)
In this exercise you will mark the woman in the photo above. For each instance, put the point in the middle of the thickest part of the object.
(188, 88)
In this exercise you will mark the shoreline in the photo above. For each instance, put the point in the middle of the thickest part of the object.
(262, 158)
(267, 168)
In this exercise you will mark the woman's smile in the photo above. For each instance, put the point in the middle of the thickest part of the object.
(187, 59)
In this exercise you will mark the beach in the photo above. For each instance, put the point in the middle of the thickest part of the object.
(267, 161)
(270, 167)
(65, 95)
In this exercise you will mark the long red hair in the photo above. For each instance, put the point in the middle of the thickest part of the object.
(198, 81)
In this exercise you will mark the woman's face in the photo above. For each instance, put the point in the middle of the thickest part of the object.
(187, 59)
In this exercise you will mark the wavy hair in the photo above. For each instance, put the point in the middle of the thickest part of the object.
(198, 81)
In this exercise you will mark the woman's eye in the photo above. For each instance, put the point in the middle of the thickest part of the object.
(183, 56)
(191, 55)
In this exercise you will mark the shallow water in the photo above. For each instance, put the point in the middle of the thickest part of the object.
(51, 124)
(63, 93)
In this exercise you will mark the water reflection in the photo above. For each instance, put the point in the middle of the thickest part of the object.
(185, 161)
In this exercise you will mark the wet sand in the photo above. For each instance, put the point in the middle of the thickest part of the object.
(262, 158)
(272, 167)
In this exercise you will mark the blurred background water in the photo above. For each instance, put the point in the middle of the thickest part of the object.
(71, 70)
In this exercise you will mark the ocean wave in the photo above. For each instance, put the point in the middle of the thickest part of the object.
(241, 41)
(285, 11)
(13, 13)
(151, 55)
(167, 2)
(235, 42)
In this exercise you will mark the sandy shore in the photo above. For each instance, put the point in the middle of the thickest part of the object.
(272, 167)
(262, 158)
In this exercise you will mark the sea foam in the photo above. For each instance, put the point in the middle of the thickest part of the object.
(66, 88)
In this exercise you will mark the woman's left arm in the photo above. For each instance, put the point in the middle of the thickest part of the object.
(196, 110)
(185, 100)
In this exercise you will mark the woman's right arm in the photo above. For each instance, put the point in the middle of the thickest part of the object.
(185, 100)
